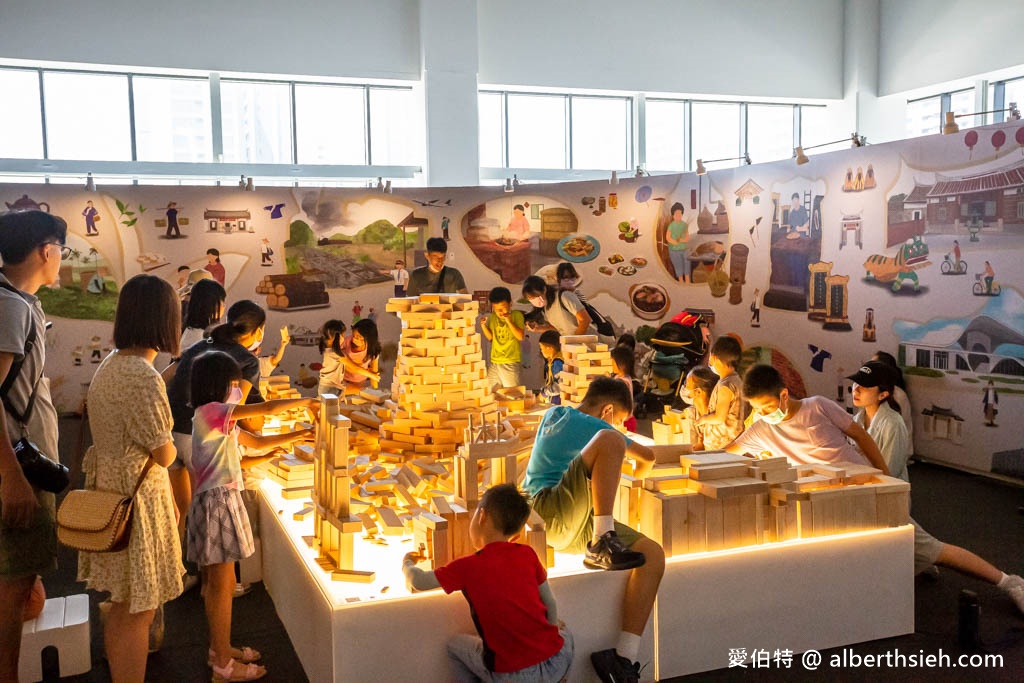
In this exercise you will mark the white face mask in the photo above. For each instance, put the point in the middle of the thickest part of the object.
(686, 395)
(234, 395)
(714, 370)
(256, 342)
(537, 301)
(776, 417)
(567, 283)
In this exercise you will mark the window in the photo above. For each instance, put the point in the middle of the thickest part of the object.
(1020, 209)
(395, 127)
(330, 124)
(666, 135)
(940, 360)
(602, 132)
(87, 116)
(257, 122)
(769, 132)
(962, 102)
(716, 132)
(923, 358)
(492, 129)
(20, 112)
(172, 119)
(1013, 94)
(961, 363)
(537, 131)
(923, 116)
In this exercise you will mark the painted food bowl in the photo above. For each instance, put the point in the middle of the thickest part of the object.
(578, 248)
(649, 301)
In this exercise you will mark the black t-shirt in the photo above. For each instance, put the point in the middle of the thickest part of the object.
(424, 281)
(179, 389)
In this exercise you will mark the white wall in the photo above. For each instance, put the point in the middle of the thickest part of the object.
(771, 48)
(378, 39)
(925, 42)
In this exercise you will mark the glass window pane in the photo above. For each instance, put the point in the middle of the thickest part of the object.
(601, 132)
(818, 127)
(716, 132)
(20, 115)
(923, 117)
(87, 116)
(962, 102)
(330, 124)
(491, 130)
(1014, 94)
(396, 127)
(536, 131)
(665, 135)
(172, 119)
(769, 132)
(257, 122)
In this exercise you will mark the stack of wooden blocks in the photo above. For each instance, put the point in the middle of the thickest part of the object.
(334, 526)
(717, 500)
(675, 427)
(440, 374)
(585, 358)
(293, 473)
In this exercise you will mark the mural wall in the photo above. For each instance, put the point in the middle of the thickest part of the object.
(912, 247)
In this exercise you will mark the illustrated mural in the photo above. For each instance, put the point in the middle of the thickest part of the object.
(916, 243)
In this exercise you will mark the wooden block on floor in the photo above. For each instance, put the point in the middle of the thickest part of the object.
(353, 576)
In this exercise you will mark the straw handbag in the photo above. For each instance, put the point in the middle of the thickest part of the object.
(98, 521)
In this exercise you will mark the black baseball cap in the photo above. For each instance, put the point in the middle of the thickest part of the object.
(874, 373)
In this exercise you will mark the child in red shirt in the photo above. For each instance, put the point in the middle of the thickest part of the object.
(509, 598)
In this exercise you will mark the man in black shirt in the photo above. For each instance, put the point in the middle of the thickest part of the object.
(435, 277)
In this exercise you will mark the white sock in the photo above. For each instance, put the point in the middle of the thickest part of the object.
(629, 646)
(602, 525)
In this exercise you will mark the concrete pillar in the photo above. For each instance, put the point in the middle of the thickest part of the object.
(449, 59)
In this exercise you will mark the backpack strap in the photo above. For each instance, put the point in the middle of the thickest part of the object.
(15, 369)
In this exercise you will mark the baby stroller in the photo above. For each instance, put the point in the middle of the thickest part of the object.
(675, 348)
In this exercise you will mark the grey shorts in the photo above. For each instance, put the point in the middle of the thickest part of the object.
(926, 548)
(504, 374)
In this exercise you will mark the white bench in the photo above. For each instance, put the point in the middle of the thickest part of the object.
(64, 625)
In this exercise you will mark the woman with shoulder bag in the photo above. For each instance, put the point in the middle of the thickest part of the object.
(130, 420)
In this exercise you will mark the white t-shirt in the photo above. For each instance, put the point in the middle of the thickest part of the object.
(190, 336)
(890, 435)
(562, 316)
(400, 275)
(903, 401)
(814, 436)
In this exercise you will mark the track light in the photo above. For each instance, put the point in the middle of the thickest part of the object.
(515, 181)
(508, 185)
(702, 170)
(640, 172)
(614, 179)
(241, 182)
(387, 187)
(951, 127)
(855, 141)
(249, 185)
(90, 184)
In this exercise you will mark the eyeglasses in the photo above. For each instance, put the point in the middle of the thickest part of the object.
(65, 251)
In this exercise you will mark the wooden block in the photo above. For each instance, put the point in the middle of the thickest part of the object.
(391, 525)
(729, 488)
(665, 483)
(303, 514)
(712, 458)
(719, 471)
(714, 523)
(353, 576)
(696, 524)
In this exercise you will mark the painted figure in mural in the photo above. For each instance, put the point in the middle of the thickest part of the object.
(213, 265)
(95, 350)
(266, 252)
(990, 275)
(172, 221)
(798, 218)
(912, 256)
(182, 280)
(990, 401)
(357, 312)
(677, 233)
(400, 276)
(444, 229)
(91, 216)
(755, 309)
(76, 355)
(518, 227)
(818, 357)
(372, 315)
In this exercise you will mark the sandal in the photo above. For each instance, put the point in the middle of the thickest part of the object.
(249, 672)
(243, 655)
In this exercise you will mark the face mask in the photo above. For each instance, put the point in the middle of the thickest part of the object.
(714, 370)
(775, 417)
(567, 283)
(255, 345)
(686, 395)
(537, 301)
(234, 396)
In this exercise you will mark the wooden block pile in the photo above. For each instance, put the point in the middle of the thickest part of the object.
(293, 473)
(293, 291)
(515, 399)
(674, 427)
(717, 500)
(585, 358)
(440, 376)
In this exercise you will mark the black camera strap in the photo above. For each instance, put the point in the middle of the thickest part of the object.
(15, 369)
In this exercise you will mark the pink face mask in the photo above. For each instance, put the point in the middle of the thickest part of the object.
(234, 396)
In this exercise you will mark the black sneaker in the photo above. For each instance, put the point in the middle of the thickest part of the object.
(614, 668)
(610, 553)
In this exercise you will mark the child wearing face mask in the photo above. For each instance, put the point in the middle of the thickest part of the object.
(218, 529)
(700, 382)
(724, 420)
(809, 431)
(569, 280)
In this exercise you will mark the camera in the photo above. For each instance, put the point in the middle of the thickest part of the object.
(39, 470)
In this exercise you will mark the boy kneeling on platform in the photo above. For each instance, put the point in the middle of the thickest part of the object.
(572, 480)
(509, 597)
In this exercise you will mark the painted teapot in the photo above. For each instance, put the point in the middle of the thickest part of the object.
(27, 204)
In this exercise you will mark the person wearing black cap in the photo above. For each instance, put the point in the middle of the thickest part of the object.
(873, 386)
